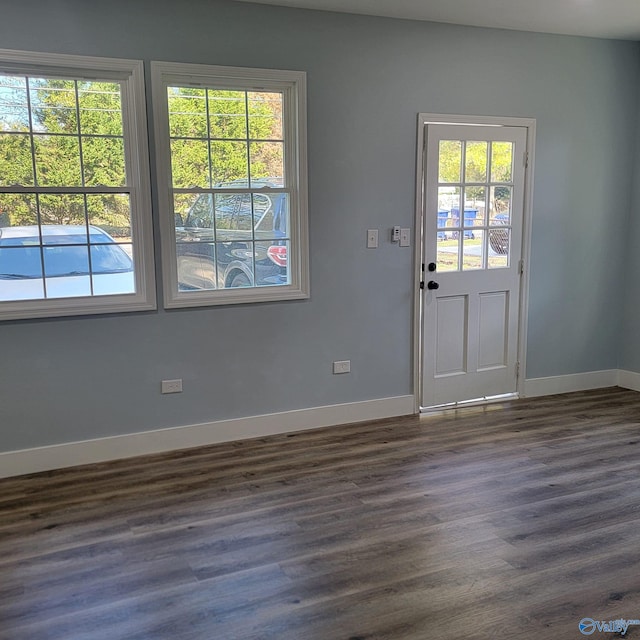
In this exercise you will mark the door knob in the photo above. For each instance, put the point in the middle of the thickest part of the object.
(432, 285)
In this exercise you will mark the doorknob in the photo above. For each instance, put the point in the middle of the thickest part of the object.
(432, 285)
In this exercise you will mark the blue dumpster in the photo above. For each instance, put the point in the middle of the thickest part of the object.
(469, 219)
(443, 216)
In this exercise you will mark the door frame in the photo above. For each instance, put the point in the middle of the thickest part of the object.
(425, 119)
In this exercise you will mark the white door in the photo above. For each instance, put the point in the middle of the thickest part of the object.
(472, 221)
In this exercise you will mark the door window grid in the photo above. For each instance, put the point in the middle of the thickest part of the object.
(478, 176)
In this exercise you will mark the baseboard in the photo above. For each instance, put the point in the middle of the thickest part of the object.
(59, 456)
(534, 387)
(629, 380)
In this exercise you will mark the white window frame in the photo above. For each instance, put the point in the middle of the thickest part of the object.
(130, 73)
(293, 86)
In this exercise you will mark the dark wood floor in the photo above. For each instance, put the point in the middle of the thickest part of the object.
(508, 521)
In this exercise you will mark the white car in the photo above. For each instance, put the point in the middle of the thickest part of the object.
(62, 261)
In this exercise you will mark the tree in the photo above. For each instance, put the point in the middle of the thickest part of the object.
(77, 140)
(220, 136)
(484, 162)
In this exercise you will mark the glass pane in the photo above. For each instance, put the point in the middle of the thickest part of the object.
(63, 209)
(233, 216)
(110, 212)
(53, 105)
(448, 201)
(17, 210)
(16, 166)
(112, 269)
(271, 215)
(109, 258)
(14, 109)
(21, 272)
(66, 271)
(475, 161)
(272, 264)
(265, 115)
(499, 248)
(57, 161)
(450, 159)
(100, 108)
(187, 112)
(448, 255)
(235, 264)
(190, 163)
(473, 250)
(267, 164)
(194, 218)
(103, 160)
(196, 262)
(227, 114)
(500, 200)
(229, 166)
(501, 161)
(448, 198)
(474, 206)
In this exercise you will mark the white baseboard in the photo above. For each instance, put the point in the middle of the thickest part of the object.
(59, 456)
(629, 380)
(534, 387)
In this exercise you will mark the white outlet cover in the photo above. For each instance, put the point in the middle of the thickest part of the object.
(342, 366)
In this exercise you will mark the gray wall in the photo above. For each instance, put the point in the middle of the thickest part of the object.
(73, 379)
(630, 323)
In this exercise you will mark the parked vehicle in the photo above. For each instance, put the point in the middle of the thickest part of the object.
(233, 239)
(55, 261)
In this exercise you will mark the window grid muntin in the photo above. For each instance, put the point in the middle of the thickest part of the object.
(249, 190)
(462, 185)
(38, 190)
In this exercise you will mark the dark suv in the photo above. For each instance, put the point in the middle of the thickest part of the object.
(233, 239)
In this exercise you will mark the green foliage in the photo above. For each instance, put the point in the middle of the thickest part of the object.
(75, 131)
(210, 130)
(69, 121)
(482, 163)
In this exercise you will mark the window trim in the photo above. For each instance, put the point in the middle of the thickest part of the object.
(135, 133)
(293, 86)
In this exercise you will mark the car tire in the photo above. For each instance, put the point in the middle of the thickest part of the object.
(240, 280)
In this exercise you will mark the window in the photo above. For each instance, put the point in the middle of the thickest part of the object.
(75, 233)
(232, 163)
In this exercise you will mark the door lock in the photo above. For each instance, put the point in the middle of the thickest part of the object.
(432, 285)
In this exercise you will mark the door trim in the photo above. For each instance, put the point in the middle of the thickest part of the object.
(497, 121)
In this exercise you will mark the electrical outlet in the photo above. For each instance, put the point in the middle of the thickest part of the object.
(372, 238)
(395, 234)
(172, 386)
(405, 237)
(342, 366)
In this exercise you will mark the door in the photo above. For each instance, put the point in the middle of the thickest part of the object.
(473, 224)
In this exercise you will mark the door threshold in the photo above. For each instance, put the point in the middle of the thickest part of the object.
(474, 402)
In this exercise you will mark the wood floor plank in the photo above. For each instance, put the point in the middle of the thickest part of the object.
(513, 520)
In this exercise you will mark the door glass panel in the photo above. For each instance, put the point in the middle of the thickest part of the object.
(500, 201)
(501, 161)
(473, 249)
(450, 160)
(476, 161)
(448, 198)
(499, 248)
(448, 253)
(474, 206)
